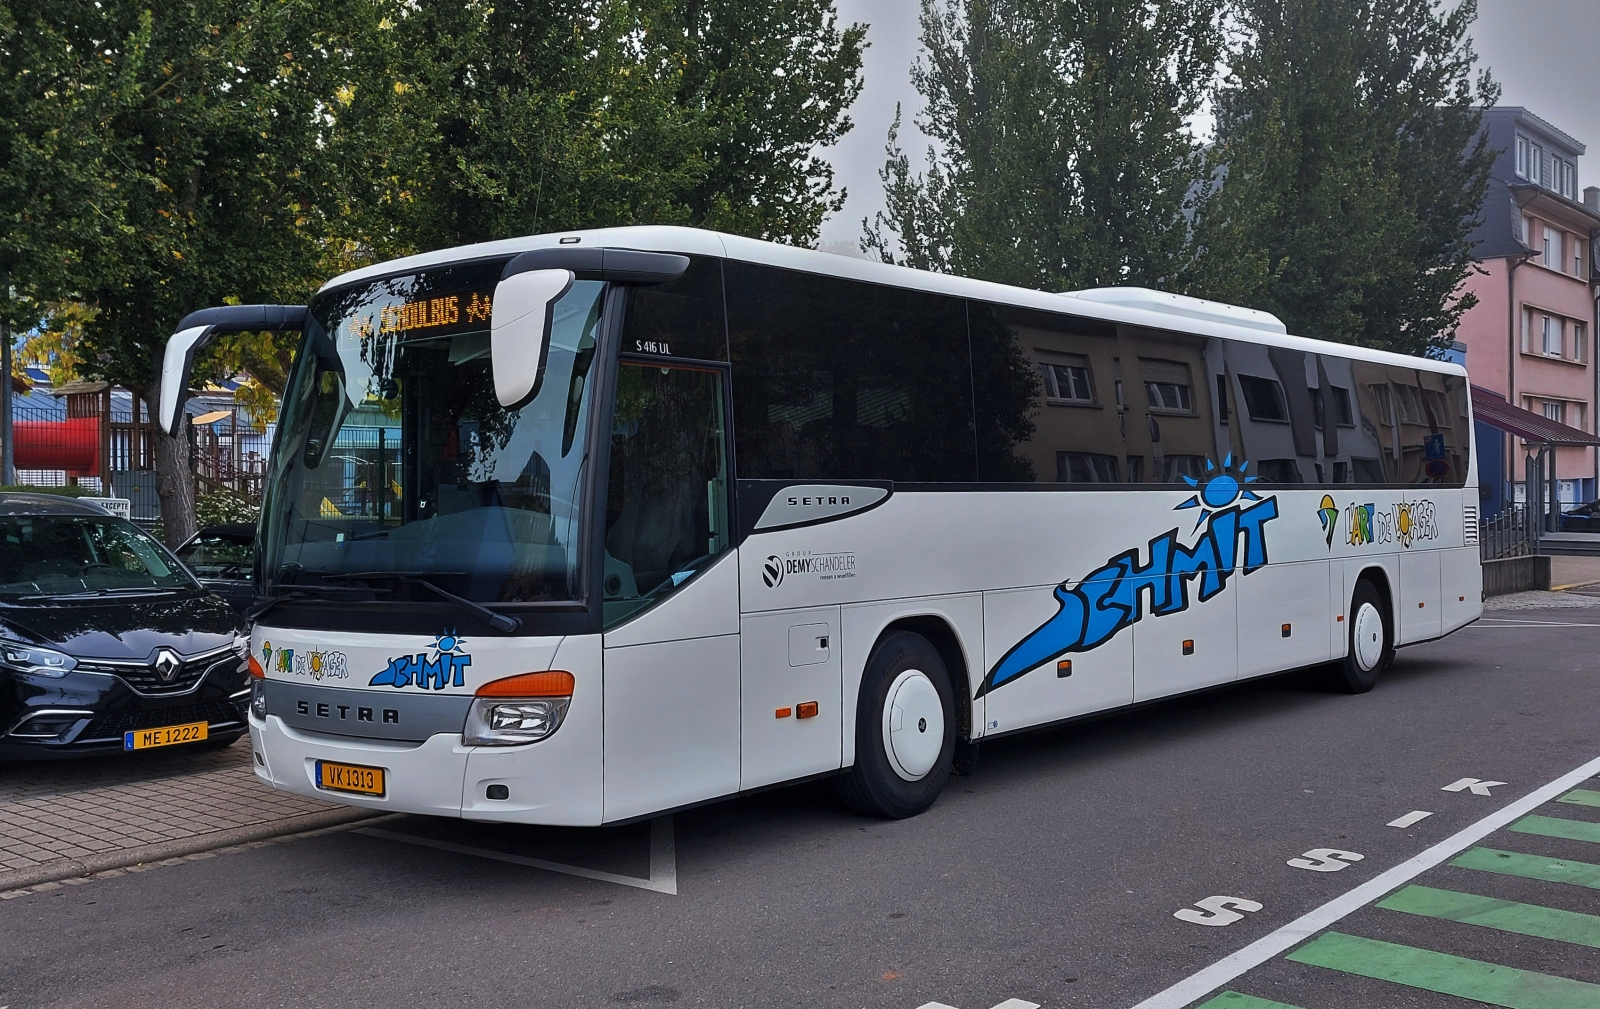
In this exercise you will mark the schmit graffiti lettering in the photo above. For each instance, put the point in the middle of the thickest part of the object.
(446, 667)
(1112, 597)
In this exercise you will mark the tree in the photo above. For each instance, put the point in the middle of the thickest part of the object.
(1351, 170)
(1062, 157)
(210, 114)
(520, 116)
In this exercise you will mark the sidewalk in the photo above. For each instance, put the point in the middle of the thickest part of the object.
(65, 818)
(1571, 572)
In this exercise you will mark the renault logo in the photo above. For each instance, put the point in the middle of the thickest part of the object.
(167, 665)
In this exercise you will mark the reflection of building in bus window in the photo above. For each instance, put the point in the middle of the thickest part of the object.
(1085, 467)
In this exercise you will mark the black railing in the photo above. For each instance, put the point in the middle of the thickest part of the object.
(1509, 534)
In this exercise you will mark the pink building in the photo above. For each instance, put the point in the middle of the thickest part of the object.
(1531, 336)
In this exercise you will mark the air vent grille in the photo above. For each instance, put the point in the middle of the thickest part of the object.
(1469, 523)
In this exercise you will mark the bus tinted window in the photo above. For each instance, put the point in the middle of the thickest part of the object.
(840, 380)
(681, 318)
(1171, 412)
(1409, 425)
(1045, 393)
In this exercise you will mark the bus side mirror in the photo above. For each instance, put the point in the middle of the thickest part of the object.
(519, 332)
(195, 331)
(177, 366)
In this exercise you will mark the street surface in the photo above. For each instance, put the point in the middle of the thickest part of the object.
(1054, 876)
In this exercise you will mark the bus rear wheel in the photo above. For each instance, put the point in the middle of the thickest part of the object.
(1371, 645)
(905, 730)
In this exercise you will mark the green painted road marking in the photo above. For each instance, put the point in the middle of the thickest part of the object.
(1511, 863)
(1582, 797)
(1551, 826)
(1234, 1000)
(1448, 975)
(1505, 915)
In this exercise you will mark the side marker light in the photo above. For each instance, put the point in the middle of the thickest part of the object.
(1286, 630)
(805, 709)
(1064, 669)
(1188, 646)
(783, 713)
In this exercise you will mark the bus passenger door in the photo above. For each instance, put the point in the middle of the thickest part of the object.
(790, 677)
(671, 593)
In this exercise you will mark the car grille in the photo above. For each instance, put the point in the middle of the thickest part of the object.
(216, 713)
(141, 676)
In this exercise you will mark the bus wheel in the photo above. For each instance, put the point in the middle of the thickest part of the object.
(1371, 642)
(905, 732)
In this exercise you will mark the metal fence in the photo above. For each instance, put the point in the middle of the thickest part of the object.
(1512, 533)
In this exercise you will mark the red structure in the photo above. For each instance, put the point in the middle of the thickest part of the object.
(72, 445)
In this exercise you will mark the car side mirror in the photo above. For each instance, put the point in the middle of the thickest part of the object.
(519, 332)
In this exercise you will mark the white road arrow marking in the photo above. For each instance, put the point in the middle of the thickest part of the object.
(1410, 818)
(1010, 1003)
(1472, 785)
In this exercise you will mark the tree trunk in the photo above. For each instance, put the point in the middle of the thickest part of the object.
(174, 473)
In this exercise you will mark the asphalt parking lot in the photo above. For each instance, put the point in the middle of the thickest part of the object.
(1054, 876)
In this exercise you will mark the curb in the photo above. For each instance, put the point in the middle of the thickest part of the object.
(67, 868)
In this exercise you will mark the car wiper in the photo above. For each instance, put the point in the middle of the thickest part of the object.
(499, 621)
(293, 592)
(143, 590)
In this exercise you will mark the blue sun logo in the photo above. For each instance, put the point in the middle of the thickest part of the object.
(1219, 489)
(447, 643)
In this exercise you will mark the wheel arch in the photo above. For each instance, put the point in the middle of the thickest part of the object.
(1378, 575)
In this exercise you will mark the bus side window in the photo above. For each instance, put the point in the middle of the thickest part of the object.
(666, 497)
(841, 380)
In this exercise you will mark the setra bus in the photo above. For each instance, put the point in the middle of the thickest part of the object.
(580, 528)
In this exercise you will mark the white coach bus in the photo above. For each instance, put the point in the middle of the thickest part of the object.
(575, 529)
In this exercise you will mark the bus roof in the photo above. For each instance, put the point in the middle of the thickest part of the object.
(1130, 305)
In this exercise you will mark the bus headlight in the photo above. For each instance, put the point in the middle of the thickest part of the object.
(258, 700)
(518, 709)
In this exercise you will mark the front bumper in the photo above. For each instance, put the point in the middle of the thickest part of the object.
(84, 714)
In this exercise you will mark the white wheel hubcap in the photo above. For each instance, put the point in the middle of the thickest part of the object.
(1368, 637)
(913, 725)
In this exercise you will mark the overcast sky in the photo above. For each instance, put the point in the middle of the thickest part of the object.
(1541, 52)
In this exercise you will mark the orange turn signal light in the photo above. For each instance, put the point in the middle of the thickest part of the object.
(783, 713)
(553, 683)
(255, 669)
(805, 709)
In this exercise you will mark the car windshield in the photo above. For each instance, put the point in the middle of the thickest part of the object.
(217, 556)
(57, 555)
(393, 454)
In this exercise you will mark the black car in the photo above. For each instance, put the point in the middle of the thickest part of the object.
(222, 556)
(106, 642)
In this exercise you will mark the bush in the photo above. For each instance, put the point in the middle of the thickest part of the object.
(222, 507)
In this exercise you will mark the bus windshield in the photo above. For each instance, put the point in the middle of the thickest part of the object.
(394, 457)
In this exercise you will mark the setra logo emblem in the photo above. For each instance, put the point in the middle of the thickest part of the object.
(772, 571)
(167, 665)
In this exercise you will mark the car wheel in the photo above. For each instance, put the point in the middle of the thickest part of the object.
(905, 730)
(1371, 642)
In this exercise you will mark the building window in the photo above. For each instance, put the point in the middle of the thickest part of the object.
(1555, 410)
(1067, 380)
(1580, 342)
(1567, 173)
(1410, 404)
(1536, 163)
(1263, 398)
(1552, 336)
(1522, 157)
(1085, 467)
(1576, 244)
(1552, 248)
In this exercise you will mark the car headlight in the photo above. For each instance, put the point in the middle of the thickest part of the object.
(38, 661)
(500, 717)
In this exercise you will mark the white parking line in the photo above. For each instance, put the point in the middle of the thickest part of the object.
(1225, 970)
(1415, 816)
(663, 857)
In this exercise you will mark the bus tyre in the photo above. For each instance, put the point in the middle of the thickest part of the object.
(1371, 642)
(905, 732)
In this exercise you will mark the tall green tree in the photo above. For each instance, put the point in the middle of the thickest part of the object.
(211, 116)
(1351, 170)
(1061, 157)
(518, 116)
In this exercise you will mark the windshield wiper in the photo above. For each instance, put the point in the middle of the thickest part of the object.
(143, 590)
(499, 621)
(293, 592)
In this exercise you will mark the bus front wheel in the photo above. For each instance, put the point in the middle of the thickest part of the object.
(905, 732)
(1371, 642)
